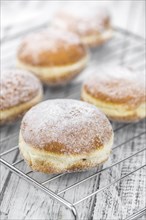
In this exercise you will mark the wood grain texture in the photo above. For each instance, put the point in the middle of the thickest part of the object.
(20, 200)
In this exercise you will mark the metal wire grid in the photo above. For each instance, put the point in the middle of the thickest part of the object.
(72, 207)
(126, 47)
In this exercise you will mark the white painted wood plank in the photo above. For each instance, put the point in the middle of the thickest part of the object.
(125, 198)
(19, 197)
(22, 201)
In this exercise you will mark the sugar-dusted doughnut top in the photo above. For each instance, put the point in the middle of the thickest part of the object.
(51, 48)
(117, 85)
(65, 126)
(83, 21)
(17, 87)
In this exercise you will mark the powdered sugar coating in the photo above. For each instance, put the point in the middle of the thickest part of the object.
(51, 47)
(83, 20)
(17, 87)
(117, 84)
(66, 126)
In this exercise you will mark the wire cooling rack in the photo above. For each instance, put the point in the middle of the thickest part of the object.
(127, 49)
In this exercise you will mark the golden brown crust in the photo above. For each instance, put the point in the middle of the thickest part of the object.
(12, 118)
(83, 23)
(52, 163)
(62, 79)
(117, 85)
(9, 115)
(41, 166)
(51, 48)
(129, 118)
(66, 127)
(17, 87)
(99, 41)
(57, 148)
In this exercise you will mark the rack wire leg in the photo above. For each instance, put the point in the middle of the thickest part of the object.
(74, 212)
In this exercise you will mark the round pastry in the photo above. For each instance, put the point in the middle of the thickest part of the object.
(55, 56)
(118, 91)
(92, 25)
(65, 135)
(20, 90)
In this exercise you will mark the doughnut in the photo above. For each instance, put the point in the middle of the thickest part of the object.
(55, 56)
(92, 25)
(20, 90)
(65, 135)
(118, 91)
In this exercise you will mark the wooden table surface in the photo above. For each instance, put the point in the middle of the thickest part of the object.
(19, 199)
